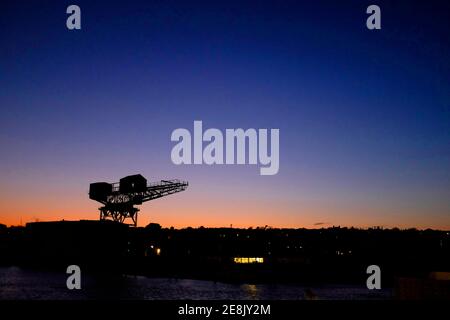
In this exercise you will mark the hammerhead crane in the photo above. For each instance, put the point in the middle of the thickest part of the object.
(120, 198)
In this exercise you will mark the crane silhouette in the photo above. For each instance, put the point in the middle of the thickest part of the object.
(120, 198)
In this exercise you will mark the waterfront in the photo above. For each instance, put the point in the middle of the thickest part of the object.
(25, 284)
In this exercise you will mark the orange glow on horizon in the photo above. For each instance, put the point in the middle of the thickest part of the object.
(180, 213)
(192, 209)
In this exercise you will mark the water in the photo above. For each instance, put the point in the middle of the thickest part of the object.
(17, 283)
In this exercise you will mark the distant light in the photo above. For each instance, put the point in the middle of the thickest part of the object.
(248, 260)
(158, 251)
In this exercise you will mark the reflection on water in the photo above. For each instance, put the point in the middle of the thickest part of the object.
(17, 283)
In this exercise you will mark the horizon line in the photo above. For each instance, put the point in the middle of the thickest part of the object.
(266, 227)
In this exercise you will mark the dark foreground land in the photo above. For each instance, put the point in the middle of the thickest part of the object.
(261, 255)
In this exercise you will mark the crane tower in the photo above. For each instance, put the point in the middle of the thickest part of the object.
(120, 198)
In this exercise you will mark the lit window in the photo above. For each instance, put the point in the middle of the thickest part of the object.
(248, 260)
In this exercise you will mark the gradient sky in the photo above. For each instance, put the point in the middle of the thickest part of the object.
(363, 115)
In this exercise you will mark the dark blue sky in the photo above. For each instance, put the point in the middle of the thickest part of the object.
(363, 115)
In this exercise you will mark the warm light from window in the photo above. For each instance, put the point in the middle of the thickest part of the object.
(248, 260)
